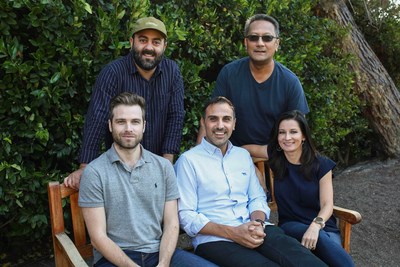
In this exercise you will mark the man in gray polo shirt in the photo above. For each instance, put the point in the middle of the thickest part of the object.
(129, 197)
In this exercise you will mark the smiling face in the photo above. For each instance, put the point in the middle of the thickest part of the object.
(148, 48)
(219, 123)
(260, 51)
(127, 126)
(290, 137)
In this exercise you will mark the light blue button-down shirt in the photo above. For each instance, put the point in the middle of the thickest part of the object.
(223, 189)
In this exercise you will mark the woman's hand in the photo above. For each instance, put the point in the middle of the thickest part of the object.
(310, 237)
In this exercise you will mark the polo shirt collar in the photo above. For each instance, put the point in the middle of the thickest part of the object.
(113, 156)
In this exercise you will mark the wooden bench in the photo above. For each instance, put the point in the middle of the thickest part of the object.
(79, 252)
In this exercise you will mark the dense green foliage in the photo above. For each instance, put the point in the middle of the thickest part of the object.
(50, 54)
(52, 51)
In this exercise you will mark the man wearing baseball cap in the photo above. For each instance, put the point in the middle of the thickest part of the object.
(146, 72)
(149, 23)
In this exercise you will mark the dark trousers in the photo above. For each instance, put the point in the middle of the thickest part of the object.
(278, 249)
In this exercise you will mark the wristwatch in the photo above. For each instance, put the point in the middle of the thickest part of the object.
(260, 221)
(320, 221)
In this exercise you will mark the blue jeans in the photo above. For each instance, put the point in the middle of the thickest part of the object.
(329, 247)
(181, 258)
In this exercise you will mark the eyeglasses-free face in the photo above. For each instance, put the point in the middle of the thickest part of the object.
(265, 38)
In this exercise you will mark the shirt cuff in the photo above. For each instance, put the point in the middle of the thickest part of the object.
(194, 227)
(261, 207)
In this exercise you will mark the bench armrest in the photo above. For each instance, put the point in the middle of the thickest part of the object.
(346, 220)
(69, 249)
(350, 216)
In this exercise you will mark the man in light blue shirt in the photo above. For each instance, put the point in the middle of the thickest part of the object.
(223, 206)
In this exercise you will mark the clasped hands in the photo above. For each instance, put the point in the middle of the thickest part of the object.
(250, 234)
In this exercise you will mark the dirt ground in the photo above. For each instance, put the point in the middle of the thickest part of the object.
(372, 188)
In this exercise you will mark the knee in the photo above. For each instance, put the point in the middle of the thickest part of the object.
(294, 229)
(329, 239)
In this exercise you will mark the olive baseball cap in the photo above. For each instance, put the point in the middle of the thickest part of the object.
(149, 23)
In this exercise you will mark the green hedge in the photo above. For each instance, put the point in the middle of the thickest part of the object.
(51, 52)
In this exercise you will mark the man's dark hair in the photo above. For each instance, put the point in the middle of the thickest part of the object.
(257, 17)
(218, 100)
(128, 99)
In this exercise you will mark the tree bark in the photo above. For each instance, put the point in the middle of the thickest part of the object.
(373, 84)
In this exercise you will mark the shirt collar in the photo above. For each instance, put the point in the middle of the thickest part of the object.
(113, 156)
(212, 149)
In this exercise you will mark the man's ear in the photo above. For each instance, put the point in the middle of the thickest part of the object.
(202, 121)
(278, 44)
(144, 126)
(165, 45)
(109, 126)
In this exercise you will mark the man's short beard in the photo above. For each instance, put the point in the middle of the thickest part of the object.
(146, 64)
(126, 147)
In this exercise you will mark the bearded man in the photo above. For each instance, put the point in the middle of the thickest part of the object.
(128, 197)
(146, 72)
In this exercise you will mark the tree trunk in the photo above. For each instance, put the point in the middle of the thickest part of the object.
(373, 83)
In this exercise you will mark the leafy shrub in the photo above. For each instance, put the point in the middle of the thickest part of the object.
(50, 54)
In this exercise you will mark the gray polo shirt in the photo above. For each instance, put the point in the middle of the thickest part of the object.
(133, 199)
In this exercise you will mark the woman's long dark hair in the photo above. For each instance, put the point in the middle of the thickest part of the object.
(278, 162)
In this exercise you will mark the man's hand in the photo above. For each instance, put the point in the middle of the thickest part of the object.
(250, 235)
(257, 231)
(74, 178)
